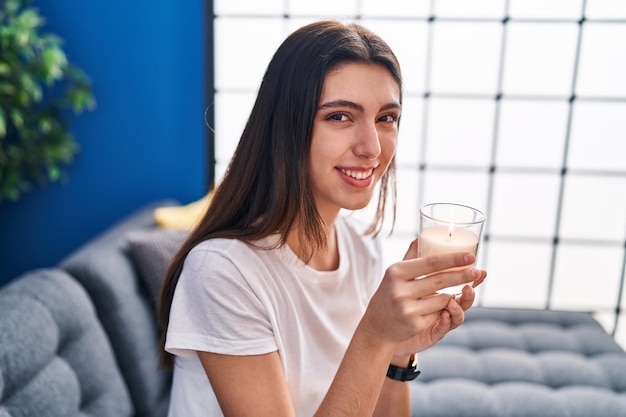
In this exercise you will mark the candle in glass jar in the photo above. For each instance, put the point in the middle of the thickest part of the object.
(448, 228)
(436, 240)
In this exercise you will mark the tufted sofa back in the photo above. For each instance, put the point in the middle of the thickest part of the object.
(106, 270)
(516, 362)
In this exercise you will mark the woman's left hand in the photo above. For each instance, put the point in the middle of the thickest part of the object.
(449, 319)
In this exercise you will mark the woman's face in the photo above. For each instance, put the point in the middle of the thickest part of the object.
(354, 136)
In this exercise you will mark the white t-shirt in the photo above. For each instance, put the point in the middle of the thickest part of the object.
(237, 299)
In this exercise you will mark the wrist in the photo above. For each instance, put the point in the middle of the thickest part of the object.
(401, 360)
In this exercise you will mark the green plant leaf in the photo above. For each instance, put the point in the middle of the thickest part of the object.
(54, 63)
(30, 87)
(7, 89)
(12, 6)
(54, 173)
(3, 124)
(29, 20)
(17, 118)
(45, 126)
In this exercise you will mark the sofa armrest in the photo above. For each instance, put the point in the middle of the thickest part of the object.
(55, 359)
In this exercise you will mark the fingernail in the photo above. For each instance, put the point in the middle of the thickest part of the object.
(470, 258)
(475, 273)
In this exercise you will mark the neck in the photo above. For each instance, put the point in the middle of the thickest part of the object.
(322, 259)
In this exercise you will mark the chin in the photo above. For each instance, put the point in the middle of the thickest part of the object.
(357, 205)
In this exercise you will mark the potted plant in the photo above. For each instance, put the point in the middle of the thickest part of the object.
(38, 89)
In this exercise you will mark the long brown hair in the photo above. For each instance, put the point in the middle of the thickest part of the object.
(265, 189)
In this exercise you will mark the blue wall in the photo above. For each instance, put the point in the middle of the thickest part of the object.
(145, 140)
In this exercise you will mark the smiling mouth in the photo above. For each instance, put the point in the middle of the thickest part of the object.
(358, 175)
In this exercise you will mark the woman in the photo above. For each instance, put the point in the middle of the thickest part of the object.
(277, 304)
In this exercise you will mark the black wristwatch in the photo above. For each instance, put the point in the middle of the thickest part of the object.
(404, 374)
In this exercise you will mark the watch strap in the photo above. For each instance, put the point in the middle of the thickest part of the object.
(404, 374)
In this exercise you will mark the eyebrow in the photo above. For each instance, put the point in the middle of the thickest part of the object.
(355, 106)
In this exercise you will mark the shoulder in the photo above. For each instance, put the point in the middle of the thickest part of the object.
(230, 255)
(218, 255)
(214, 249)
(219, 247)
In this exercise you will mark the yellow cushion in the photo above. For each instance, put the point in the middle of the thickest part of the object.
(182, 217)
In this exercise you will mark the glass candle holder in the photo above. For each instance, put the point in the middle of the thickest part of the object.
(449, 228)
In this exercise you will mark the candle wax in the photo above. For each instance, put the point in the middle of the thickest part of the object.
(436, 240)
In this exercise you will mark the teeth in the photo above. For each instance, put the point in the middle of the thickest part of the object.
(358, 175)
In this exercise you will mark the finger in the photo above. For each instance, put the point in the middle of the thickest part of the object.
(457, 315)
(477, 282)
(411, 253)
(430, 304)
(435, 282)
(466, 298)
(437, 263)
(413, 268)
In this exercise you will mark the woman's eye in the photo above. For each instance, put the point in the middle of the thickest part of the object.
(389, 118)
(339, 117)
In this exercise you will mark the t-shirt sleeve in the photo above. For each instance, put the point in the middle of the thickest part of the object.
(215, 310)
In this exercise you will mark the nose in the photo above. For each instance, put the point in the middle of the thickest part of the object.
(367, 142)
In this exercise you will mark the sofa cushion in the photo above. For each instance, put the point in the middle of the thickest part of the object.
(516, 362)
(55, 359)
(152, 250)
(104, 267)
(185, 217)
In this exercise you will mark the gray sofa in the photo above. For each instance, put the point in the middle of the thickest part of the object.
(80, 339)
